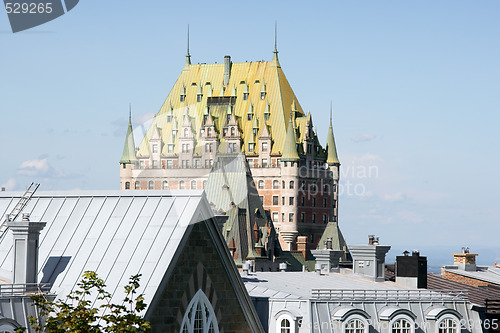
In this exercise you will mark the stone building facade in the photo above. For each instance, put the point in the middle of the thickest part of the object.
(241, 107)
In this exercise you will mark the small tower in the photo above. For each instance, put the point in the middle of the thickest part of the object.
(290, 175)
(129, 159)
(334, 165)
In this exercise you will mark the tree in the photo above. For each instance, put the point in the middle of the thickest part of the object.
(76, 314)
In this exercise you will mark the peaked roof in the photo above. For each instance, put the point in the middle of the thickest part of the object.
(290, 147)
(250, 75)
(128, 155)
(116, 234)
(331, 149)
(332, 231)
(231, 191)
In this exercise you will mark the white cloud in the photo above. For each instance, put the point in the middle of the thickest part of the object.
(394, 197)
(143, 118)
(363, 138)
(10, 184)
(34, 167)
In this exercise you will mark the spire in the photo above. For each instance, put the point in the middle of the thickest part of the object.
(275, 61)
(188, 55)
(128, 156)
(290, 147)
(331, 150)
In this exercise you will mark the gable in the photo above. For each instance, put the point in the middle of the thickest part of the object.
(202, 262)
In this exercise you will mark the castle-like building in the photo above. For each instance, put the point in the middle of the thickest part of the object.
(241, 107)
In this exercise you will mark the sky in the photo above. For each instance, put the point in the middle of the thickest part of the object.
(415, 87)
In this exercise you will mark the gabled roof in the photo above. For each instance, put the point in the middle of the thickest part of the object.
(117, 234)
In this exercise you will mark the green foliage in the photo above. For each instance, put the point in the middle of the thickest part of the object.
(76, 314)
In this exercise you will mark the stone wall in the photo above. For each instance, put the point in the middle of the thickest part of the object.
(198, 267)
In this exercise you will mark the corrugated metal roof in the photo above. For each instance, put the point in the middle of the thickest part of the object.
(116, 234)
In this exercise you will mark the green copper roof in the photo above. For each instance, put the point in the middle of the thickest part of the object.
(128, 155)
(290, 147)
(331, 149)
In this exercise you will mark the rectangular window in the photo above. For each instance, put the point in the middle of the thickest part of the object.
(262, 95)
(324, 202)
(198, 98)
(324, 219)
(282, 201)
(182, 98)
(155, 164)
(314, 218)
(314, 202)
(170, 164)
(170, 148)
(275, 216)
(283, 217)
(264, 162)
(155, 148)
(290, 217)
(245, 96)
(275, 200)
(206, 163)
(302, 201)
(264, 146)
(141, 164)
(206, 148)
(290, 201)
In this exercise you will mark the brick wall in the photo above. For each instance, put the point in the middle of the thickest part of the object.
(462, 279)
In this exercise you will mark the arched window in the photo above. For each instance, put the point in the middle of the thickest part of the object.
(165, 185)
(261, 184)
(200, 316)
(276, 185)
(127, 185)
(193, 184)
(151, 185)
(137, 185)
(355, 326)
(182, 185)
(448, 325)
(283, 184)
(292, 184)
(285, 326)
(401, 326)
(233, 131)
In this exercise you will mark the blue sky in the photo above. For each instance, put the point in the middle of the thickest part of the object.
(415, 88)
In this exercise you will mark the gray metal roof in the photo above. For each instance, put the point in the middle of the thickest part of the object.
(292, 284)
(117, 234)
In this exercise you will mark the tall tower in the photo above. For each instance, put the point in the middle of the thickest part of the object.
(334, 165)
(129, 159)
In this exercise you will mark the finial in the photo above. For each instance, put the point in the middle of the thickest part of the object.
(331, 107)
(275, 52)
(130, 113)
(275, 36)
(188, 55)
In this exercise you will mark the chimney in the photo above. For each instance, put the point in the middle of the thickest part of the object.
(283, 267)
(302, 245)
(327, 260)
(227, 69)
(411, 271)
(26, 235)
(369, 260)
(465, 261)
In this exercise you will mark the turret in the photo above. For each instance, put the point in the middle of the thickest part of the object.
(129, 159)
(290, 147)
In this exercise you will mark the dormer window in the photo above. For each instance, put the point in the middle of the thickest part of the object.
(198, 98)
(249, 117)
(233, 131)
(224, 132)
(182, 98)
(205, 119)
(251, 147)
(245, 96)
(169, 118)
(228, 118)
(170, 148)
(186, 132)
(155, 148)
(255, 131)
(263, 95)
(174, 133)
(209, 131)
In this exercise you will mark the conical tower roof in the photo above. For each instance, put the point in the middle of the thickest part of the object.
(128, 156)
(290, 147)
(331, 149)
